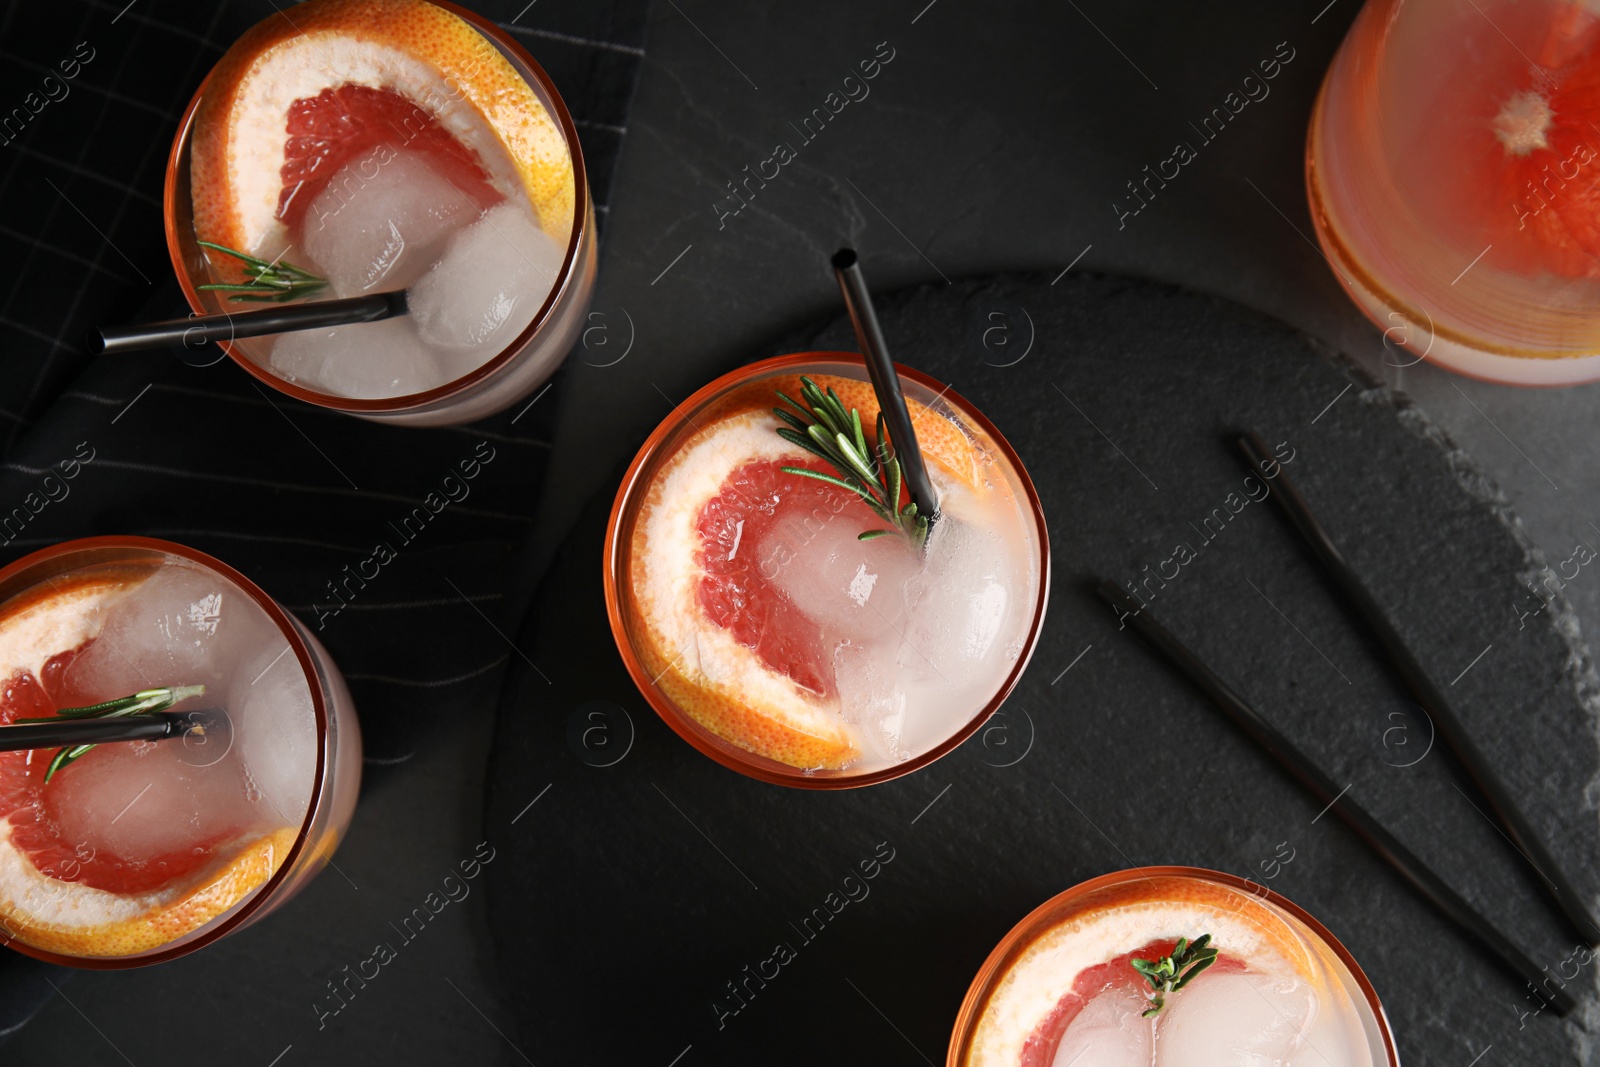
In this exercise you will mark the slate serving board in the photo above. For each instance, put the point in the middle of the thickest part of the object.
(641, 878)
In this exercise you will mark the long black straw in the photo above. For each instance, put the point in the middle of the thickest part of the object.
(149, 726)
(1425, 690)
(885, 381)
(1304, 770)
(232, 325)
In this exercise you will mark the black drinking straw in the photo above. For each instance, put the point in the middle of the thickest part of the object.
(149, 726)
(1425, 690)
(1336, 797)
(885, 382)
(232, 325)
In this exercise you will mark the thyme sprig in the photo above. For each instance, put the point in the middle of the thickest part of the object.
(1171, 973)
(827, 429)
(144, 702)
(270, 283)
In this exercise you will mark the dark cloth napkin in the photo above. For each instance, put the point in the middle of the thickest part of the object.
(726, 915)
(296, 497)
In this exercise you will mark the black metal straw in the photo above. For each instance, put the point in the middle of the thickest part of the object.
(151, 726)
(1336, 797)
(231, 325)
(1426, 691)
(885, 381)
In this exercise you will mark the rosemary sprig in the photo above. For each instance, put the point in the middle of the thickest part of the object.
(827, 429)
(271, 283)
(1171, 973)
(144, 702)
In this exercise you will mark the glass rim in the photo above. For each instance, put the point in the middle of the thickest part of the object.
(997, 964)
(236, 916)
(724, 752)
(172, 212)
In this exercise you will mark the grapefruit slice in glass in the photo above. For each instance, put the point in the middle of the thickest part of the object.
(302, 94)
(1084, 956)
(1112, 983)
(66, 892)
(719, 636)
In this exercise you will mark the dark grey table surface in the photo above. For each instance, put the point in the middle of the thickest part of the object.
(999, 137)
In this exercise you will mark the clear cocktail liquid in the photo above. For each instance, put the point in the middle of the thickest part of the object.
(116, 847)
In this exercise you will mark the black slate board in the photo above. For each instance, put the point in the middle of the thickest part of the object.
(641, 878)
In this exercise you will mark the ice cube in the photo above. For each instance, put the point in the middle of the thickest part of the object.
(869, 697)
(382, 221)
(274, 732)
(139, 801)
(175, 628)
(1108, 1032)
(853, 589)
(1237, 1019)
(960, 604)
(142, 800)
(366, 361)
(492, 280)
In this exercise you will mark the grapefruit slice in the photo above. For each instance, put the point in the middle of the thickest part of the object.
(1522, 147)
(1087, 949)
(306, 91)
(1117, 974)
(336, 126)
(734, 592)
(715, 633)
(65, 896)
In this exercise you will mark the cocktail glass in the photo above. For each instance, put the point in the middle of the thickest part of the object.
(1014, 1003)
(523, 365)
(1450, 165)
(1016, 589)
(141, 852)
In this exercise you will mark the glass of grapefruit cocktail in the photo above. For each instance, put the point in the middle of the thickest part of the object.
(1453, 168)
(787, 629)
(1170, 966)
(138, 852)
(351, 147)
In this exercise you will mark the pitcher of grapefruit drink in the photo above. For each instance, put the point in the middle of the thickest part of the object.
(129, 853)
(351, 147)
(1453, 168)
(789, 615)
(1170, 967)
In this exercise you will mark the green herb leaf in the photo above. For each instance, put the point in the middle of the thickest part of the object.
(268, 282)
(858, 438)
(144, 702)
(1189, 975)
(833, 433)
(787, 399)
(804, 442)
(1172, 972)
(790, 419)
(857, 460)
(806, 472)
